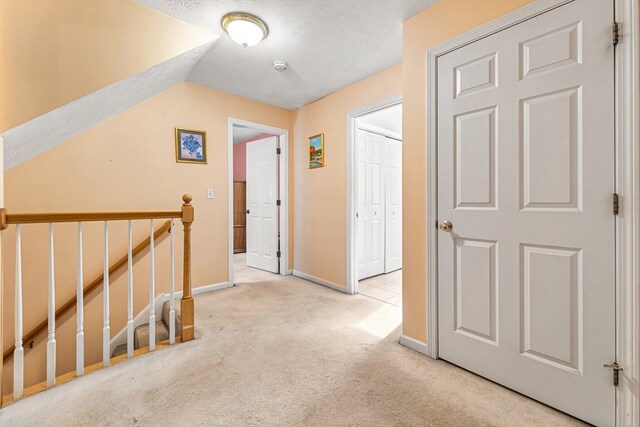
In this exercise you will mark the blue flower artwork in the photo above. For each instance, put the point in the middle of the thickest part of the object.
(191, 146)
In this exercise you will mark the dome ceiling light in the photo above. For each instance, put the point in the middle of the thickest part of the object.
(244, 28)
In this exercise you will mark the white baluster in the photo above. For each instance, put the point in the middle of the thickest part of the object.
(18, 353)
(172, 310)
(106, 329)
(130, 300)
(152, 292)
(80, 310)
(51, 339)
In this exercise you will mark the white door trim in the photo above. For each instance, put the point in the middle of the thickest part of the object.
(627, 93)
(627, 146)
(284, 190)
(352, 191)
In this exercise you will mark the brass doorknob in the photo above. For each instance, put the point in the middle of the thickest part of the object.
(446, 225)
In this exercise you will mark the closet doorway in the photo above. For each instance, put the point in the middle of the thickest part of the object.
(378, 182)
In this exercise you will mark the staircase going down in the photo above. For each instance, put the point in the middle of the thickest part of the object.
(141, 333)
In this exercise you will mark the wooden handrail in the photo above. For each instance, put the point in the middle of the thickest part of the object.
(185, 214)
(7, 218)
(93, 285)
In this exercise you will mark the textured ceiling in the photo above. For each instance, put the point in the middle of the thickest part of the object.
(328, 44)
(387, 118)
(241, 134)
(44, 132)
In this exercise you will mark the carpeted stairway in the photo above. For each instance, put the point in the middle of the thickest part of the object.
(141, 333)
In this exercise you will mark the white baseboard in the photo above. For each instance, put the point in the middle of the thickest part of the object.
(414, 344)
(319, 281)
(209, 288)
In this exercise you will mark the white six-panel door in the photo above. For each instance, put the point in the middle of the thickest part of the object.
(525, 175)
(393, 203)
(262, 196)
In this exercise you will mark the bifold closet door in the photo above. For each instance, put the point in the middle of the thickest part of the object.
(393, 203)
(371, 206)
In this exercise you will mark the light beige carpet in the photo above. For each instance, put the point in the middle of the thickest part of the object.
(284, 352)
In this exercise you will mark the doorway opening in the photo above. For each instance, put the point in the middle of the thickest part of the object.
(258, 200)
(376, 200)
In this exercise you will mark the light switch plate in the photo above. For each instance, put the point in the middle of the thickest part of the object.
(210, 193)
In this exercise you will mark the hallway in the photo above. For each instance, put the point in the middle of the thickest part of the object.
(385, 287)
(284, 352)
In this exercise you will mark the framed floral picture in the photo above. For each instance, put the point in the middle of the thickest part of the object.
(316, 151)
(191, 146)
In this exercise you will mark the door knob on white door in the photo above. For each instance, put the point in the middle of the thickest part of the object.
(446, 225)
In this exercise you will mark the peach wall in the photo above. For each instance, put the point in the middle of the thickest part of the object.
(437, 24)
(321, 194)
(56, 51)
(126, 163)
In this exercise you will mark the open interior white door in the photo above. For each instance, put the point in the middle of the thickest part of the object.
(262, 209)
(393, 203)
(526, 274)
(371, 207)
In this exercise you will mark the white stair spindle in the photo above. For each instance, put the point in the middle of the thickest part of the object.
(18, 353)
(152, 292)
(80, 309)
(106, 329)
(130, 299)
(172, 310)
(51, 339)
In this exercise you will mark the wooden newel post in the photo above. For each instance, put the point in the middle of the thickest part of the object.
(186, 304)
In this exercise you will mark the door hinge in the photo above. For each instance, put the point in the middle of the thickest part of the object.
(278, 254)
(278, 150)
(616, 204)
(615, 368)
(278, 202)
(616, 33)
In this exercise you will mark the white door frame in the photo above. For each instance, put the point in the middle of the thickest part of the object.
(627, 158)
(352, 190)
(284, 190)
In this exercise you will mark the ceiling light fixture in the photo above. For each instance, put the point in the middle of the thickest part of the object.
(244, 28)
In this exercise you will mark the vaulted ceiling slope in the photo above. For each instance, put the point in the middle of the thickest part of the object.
(55, 127)
(328, 44)
(81, 62)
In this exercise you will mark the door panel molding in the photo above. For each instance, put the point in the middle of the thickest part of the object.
(627, 165)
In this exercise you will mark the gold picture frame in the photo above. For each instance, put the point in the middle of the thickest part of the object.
(191, 146)
(316, 151)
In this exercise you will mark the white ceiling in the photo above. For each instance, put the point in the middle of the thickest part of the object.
(388, 118)
(328, 44)
(242, 134)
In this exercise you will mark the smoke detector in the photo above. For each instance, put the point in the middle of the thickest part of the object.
(280, 65)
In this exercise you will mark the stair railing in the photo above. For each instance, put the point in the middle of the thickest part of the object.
(185, 214)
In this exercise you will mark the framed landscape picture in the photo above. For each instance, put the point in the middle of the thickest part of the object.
(316, 151)
(191, 146)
